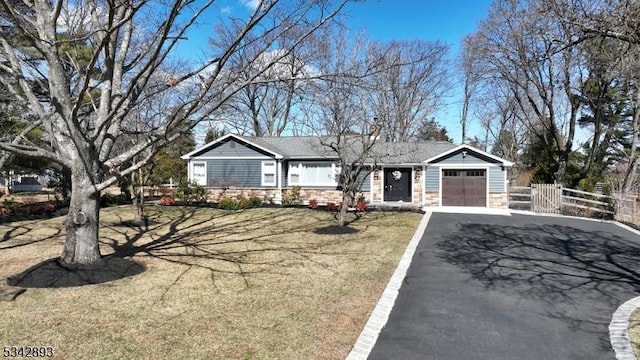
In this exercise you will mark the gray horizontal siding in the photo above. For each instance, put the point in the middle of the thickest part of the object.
(366, 184)
(432, 179)
(232, 148)
(470, 159)
(240, 173)
(496, 179)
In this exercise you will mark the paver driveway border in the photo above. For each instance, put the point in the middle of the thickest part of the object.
(380, 314)
(618, 328)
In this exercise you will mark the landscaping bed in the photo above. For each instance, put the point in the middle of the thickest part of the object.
(264, 283)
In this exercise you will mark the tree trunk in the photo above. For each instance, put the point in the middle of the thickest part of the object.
(81, 245)
(137, 194)
(630, 175)
(347, 199)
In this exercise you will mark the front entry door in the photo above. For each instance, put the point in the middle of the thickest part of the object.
(397, 184)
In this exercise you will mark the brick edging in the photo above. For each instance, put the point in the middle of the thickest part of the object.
(380, 315)
(619, 330)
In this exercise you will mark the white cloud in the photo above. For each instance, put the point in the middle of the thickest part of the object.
(225, 10)
(252, 4)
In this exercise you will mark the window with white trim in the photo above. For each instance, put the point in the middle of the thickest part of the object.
(268, 173)
(199, 172)
(313, 173)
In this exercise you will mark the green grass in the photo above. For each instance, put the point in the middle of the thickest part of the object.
(256, 284)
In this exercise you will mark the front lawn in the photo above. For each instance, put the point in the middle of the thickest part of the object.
(256, 284)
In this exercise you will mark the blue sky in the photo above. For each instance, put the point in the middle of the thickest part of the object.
(445, 20)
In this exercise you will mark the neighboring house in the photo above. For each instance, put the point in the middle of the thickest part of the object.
(26, 183)
(427, 174)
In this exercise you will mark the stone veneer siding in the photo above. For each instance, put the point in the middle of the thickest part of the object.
(273, 196)
(267, 195)
(323, 196)
(431, 198)
(377, 186)
(417, 186)
(498, 200)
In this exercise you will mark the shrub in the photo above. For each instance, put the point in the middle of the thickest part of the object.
(256, 201)
(5, 211)
(244, 203)
(228, 203)
(199, 193)
(33, 209)
(10, 205)
(167, 200)
(331, 207)
(49, 207)
(190, 191)
(292, 198)
(361, 206)
(313, 204)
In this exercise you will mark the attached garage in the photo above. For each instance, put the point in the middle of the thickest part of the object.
(466, 177)
(464, 187)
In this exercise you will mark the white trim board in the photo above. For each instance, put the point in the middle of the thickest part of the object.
(504, 162)
(225, 137)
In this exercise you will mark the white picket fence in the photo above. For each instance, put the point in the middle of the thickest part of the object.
(555, 199)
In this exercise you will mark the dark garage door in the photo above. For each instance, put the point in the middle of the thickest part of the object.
(466, 187)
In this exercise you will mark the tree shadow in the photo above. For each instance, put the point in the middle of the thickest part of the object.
(27, 229)
(225, 243)
(335, 230)
(571, 270)
(50, 274)
(221, 242)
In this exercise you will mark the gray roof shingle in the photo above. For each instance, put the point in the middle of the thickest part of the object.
(312, 147)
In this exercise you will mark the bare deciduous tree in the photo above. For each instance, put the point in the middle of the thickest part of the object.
(409, 87)
(83, 67)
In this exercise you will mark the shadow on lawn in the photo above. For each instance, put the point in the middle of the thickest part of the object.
(572, 270)
(24, 229)
(222, 242)
(50, 274)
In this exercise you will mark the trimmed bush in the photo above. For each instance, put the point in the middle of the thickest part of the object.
(244, 203)
(292, 198)
(228, 203)
(256, 201)
(190, 192)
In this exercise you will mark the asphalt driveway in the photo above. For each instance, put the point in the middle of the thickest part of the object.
(518, 287)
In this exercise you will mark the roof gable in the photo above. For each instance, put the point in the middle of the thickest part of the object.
(477, 152)
(227, 142)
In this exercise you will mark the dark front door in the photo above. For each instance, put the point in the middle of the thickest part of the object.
(397, 184)
(462, 187)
